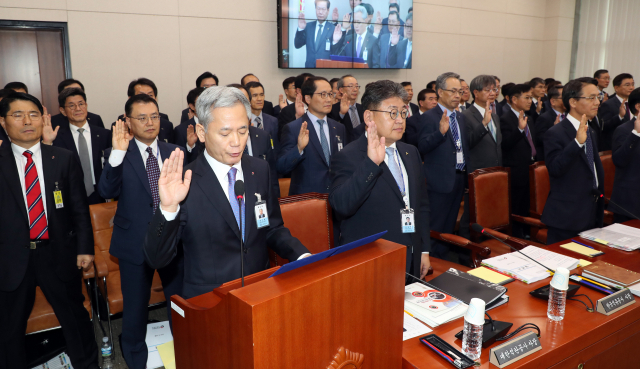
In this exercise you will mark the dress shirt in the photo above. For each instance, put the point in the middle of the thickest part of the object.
(535, 101)
(21, 163)
(449, 112)
(621, 102)
(482, 111)
(325, 130)
(409, 111)
(361, 37)
(117, 156)
(576, 125)
(87, 136)
(342, 115)
(406, 57)
(517, 113)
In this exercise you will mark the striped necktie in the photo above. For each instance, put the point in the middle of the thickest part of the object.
(38, 228)
(457, 141)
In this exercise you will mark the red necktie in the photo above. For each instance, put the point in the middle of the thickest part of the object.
(38, 229)
(409, 113)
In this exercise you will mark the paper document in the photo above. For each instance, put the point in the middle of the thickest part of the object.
(617, 235)
(432, 306)
(583, 250)
(168, 355)
(635, 289)
(157, 334)
(520, 267)
(61, 361)
(490, 275)
(413, 328)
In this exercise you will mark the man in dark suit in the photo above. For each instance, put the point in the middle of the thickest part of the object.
(259, 118)
(444, 146)
(615, 111)
(131, 173)
(267, 107)
(394, 7)
(205, 80)
(347, 111)
(626, 158)
(309, 165)
(289, 96)
(495, 106)
(537, 93)
(92, 119)
(483, 125)
(317, 35)
(549, 118)
(575, 171)
(87, 142)
(518, 150)
(46, 235)
(211, 242)
(3, 134)
(502, 105)
(296, 110)
(427, 100)
(147, 87)
(603, 78)
(466, 96)
(356, 43)
(377, 181)
(412, 108)
(184, 134)
(406, 43)
(388, 51)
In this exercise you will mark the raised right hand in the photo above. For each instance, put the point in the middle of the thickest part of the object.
(557, 120)
(302, 22)
(375, 146)
(522, 120)
(281, 102)
(581, 135)
(120, 136)
(337, 35)
(171, 187)
(487, 114)
(299, 106)
(377, 27)
(395, 36)
(192, 137)
(344, 104)
(303, 137)
(623, 109)
(444, 123)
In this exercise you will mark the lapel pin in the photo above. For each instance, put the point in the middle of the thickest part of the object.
(256, 135)
(406, 153)
(53, 157)
(251, 173)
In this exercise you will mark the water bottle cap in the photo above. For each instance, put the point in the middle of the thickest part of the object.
(105, 339)
(560, 279)
(475, 312)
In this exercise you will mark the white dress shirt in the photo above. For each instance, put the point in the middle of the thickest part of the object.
(576, 125)
(621, 102)
(87, 136)
(482, 111)
(117, 156)
(253, 120)
(21, 162)
(325, 129)
(406, 57)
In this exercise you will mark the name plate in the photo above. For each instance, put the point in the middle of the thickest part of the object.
(614, 302)
(514, 350)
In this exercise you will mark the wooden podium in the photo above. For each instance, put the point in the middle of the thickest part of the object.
(326, 63)
(348, 307)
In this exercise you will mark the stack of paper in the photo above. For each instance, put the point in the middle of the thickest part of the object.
(432, 306)
(522, 268)
(490, 275)
(617, 235)
(157, 334)
(413, 328)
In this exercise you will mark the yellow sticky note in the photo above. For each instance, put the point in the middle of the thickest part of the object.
(168, 355)
(601, 241)
(489, 275)
(580, 249)
(583, 263)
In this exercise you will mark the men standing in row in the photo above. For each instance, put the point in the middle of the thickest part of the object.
(358, 45)
(427, 100)
(296, 110)
(466, 95)
(575, 171)
(267, 106)
(483, 125)
(316, 35)
(388, 52)
(186, 129)
(92, 119)
(205, 80)
(259, 119)
(603, 78)
(411, 107)
(347, 111)
(615, 111)
(549, 118)
(289, 97)
(131, 173)
(444, 146)
(378, 183)
(537, 93)
(310, 166)
(46, 240)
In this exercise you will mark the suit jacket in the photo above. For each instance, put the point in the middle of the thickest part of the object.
(166, 128)
(484, 151)
(315, 50)
(261, 148)
(544, 122)
(626, 158)
(268, 108)
(4, 138)
(571, 204)
(385, 27)
(412, 130)
(309, 172)
(286, 115)
(347, 46)
(415, 109)
(533, 114)
(598, 129)
(387, 56)
(180, 133)
(516, 151)
(270, 126)
(94, 119)
(366, 198)
(276, 112)
(130, 183)
(352, 134)
(100, 142)
(439, 152)
(184, 116)
(211, 243)
(69, 227)
(608, 111)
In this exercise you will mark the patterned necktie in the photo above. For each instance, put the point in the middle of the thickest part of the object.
(153, 173)
(589, 147)
(562, 117)
(409, 112)
(395, 169)
(353, 114)
(85, 162)
(359, 46)
(318, 36)
(626, 105)
(533, 148)
(492, 129)
(453, 124)
(259, 122)
(323, 141)
(38, 228)
(234, 201)
(493, 108)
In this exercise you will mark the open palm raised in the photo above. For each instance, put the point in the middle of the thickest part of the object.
(171, 187)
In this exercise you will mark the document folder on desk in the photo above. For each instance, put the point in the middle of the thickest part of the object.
(325, 254)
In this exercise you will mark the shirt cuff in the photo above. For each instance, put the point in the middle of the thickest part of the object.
(168, 215)
(425, 253)
(579, 144)
(621, 118)
(521, 130)
(304, 255)
(189, 148)
(342, 116)
(635, 133)
(117, 157)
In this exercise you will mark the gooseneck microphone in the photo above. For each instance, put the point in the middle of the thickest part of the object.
(599, 194)
(239, 191)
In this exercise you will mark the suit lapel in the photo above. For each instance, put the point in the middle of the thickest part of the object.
(67, 137)
(165, 150)
(10, 174)
(135, 158)
(333, 140)
(50, 168)
(96, 154)
(409, 166)
(250, 189)
(313, 138)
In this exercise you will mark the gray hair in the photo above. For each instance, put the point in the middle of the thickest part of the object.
(219, 97)
(376, 92)
(441, 81)
(341, 80)
(360, 9)
(481, 82)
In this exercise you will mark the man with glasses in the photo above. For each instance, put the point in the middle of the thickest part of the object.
(87, 142)
(603, 78)
(316, 35)
(378, 182)
(131, 173)
(205, 80)
(347, 111)
(309, 142)
(576, 176)
(615, 111)
(444, 146)
(92, 119)
(388, 51)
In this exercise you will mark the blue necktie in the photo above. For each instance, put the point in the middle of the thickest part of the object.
(395, 169)
(359, 46)
(234, 201)
(589, 145)
(323, 141)
(453, 124)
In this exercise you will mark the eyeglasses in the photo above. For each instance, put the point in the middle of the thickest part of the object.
(74, 106)
(325, 94)
(455, 92)
(33, 116)
(591, 98)
(395, 112)
(491, 90)
(144, 119)
(357, 87)
(465, 89)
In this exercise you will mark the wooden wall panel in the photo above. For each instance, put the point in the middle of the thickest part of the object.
(51, 64)
(19, 59)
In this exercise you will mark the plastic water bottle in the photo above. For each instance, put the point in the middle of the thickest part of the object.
(558, 294)
(473, 328)
(107, 362)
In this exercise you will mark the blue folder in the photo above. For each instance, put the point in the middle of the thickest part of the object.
(325, 254)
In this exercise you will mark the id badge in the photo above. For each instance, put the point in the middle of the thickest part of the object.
(57, 197)
(459, 157)
(328, 47)
(364, 55)
(339, 143)
(262, 215)
(407, 221)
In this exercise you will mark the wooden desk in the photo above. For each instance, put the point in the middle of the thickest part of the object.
(592, 339)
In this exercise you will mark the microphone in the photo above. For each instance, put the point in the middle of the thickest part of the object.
(344, 47)
(238, 188)
(598, 194)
